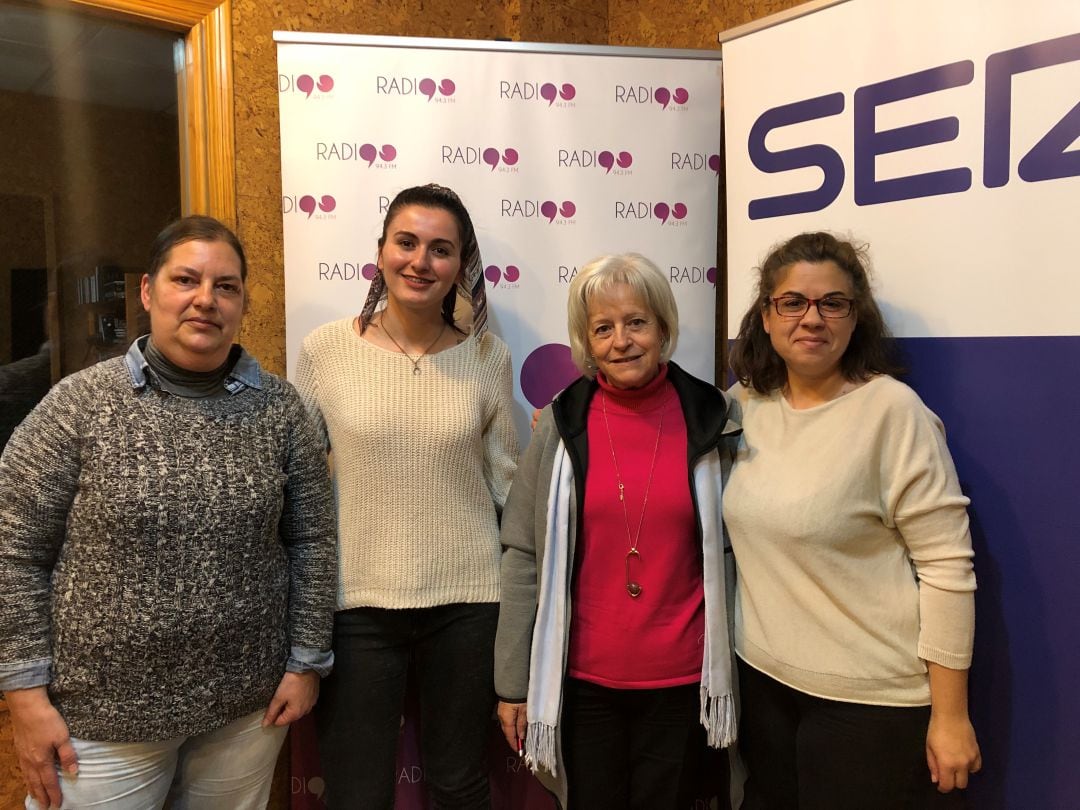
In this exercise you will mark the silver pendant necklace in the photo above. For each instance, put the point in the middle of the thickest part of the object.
(414, 360)
(633, 587)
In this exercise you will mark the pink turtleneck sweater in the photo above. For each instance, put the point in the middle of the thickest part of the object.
(654, 640)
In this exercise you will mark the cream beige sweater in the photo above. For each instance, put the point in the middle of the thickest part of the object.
(422, 465)
(851, 540)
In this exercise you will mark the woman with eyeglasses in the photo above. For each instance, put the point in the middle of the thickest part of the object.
(854, 611)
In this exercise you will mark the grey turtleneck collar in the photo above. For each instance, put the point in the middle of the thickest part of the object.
(185, 383)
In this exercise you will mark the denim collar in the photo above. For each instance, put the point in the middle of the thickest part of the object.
(245, 374)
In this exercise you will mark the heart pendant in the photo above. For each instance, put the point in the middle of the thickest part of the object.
(633, 589)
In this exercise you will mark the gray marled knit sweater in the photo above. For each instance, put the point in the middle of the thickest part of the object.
(162, 552)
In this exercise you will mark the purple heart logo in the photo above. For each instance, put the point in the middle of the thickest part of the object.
(326, 83)
(662, 96)
(546, 371)
(368, 271)
(305, 84)
(427, 87)
(661, 211)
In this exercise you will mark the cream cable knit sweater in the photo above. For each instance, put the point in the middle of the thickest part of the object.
(422, 465)
(833, 511)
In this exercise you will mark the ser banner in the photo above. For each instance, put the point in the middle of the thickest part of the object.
(561, 154)
(947, 137)
(938, 132)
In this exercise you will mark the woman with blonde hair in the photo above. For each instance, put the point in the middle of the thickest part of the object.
(612, 650)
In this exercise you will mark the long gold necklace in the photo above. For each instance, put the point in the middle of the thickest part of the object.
(632, 587)
(414, 360)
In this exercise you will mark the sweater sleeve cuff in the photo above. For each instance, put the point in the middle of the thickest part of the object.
(947, 626)
(305, 659)
(944, 657)
(25, 674)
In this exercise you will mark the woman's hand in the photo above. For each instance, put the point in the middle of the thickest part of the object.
(295, 697)
(952, 752)
(41, 740)
(514, 721)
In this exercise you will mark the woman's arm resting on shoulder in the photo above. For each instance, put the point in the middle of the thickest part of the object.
(41, 740)
(952, 752)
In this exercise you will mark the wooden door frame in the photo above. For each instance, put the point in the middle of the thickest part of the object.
(204, 95)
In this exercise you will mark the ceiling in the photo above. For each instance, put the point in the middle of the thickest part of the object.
(52, 52)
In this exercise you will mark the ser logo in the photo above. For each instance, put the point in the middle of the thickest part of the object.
(1049, 158)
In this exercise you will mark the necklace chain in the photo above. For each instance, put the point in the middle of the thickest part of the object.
(415, 361)
(633, 588)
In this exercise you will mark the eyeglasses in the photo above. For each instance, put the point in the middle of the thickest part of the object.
(795, 306)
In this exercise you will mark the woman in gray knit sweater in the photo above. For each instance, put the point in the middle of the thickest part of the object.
(167, 563)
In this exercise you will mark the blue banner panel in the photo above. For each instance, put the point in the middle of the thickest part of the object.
(1011, 408)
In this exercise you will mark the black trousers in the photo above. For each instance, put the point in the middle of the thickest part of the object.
(358, 716)
(630, 748)
(807, 753)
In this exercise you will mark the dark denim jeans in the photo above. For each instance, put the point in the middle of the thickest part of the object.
(451, 650)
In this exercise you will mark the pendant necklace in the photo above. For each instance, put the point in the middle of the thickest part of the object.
(414, 360)
(632, 587)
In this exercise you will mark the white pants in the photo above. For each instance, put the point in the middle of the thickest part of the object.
(230, 768)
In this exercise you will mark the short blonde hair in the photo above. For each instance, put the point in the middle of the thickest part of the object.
(598, 277)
